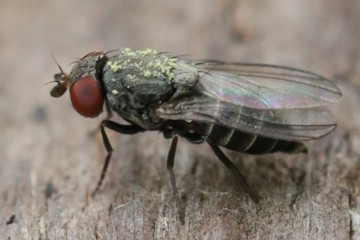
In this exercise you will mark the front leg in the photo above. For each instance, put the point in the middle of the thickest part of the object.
(120, 128)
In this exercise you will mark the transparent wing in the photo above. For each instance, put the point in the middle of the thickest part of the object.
(286, 124)
(264, 86)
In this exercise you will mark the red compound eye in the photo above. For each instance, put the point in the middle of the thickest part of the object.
(87, 97)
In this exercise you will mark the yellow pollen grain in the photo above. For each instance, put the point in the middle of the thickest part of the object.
(147, 51)
(147, 73)
(114, 66)
(131, 76)
(128, 52)
(115, 92)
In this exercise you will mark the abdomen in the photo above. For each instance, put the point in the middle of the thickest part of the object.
(234, 139)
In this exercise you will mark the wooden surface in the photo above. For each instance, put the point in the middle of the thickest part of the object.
(49, 164)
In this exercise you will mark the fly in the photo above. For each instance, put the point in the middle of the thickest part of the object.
(250, 108)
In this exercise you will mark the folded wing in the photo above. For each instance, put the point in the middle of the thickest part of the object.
(271, 101)
(265, 86)
(285, 124)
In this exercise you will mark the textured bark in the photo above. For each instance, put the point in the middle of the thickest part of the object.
(50, 162)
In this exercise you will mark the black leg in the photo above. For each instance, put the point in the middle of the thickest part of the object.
(107, 117)
(124, 129)
(170, 168)
(232, 167)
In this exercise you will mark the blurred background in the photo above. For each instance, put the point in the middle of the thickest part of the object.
(44, 142)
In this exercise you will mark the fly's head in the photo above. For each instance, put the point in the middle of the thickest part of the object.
(84, 83)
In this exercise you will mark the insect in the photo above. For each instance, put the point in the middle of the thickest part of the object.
(250, 108)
